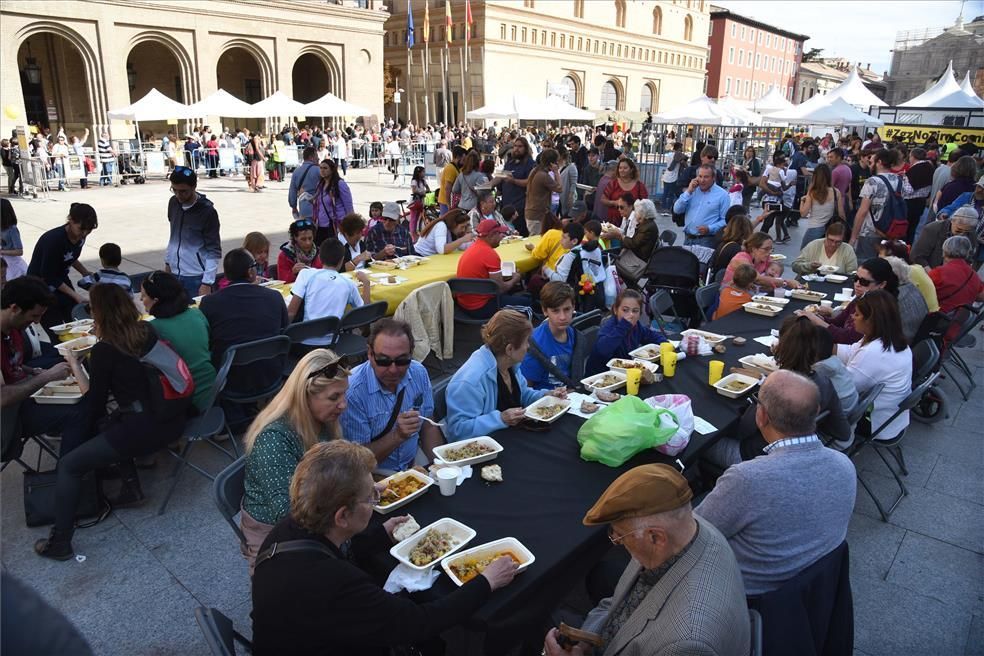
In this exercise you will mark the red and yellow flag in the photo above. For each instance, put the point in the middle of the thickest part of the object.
(468, 21)
(448, 25)
(427, 22)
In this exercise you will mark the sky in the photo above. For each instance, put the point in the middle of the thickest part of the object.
(859, 31)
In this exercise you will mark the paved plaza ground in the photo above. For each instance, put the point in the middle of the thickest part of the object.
(918, 580)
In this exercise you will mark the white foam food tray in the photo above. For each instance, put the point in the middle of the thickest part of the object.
(442, 451)
(764, 309)
(807, 295)
(722, 385)
(501, 546)
(592, 382)
(80, 345)
(772, 300)
(647, 352)
(460, 535)
(622, 365)
(426, 480)
(548, 402)
(710, 338)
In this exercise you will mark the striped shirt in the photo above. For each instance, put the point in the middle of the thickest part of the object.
(370, 407)
(105, 151)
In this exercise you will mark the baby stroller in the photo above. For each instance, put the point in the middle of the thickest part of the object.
(129, 172)
(678, 271)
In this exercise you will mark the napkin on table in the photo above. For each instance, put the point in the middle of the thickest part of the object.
(411, 580)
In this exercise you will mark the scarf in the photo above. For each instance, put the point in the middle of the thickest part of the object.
(296, 255)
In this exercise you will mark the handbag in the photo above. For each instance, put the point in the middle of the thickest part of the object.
(90, 165)
(39, 499)
(630, 266)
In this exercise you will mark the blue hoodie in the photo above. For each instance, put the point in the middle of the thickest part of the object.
(616, 338)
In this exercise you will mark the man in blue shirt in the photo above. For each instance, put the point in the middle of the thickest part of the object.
(705, 205)
(389, 379)
(554, 337)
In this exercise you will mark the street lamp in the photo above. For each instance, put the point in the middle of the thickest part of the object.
(32, 70)
(396, 101)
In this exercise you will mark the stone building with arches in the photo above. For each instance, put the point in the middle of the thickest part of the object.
(66, 64)
(625, 56)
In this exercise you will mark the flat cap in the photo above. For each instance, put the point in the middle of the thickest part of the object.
(642, 491)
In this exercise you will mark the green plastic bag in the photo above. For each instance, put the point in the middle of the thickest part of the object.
(623, 429)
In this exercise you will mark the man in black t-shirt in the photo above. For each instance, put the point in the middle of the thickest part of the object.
(55, 252)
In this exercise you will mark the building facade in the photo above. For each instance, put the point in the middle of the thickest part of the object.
(818, 78)
(749, 57)
(628, 57)
(921, 56)
(66, 64)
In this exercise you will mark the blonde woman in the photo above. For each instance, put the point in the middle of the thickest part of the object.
(304, 413)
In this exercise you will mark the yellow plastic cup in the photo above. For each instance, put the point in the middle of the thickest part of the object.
(715, 369)
(665, 348)
(669, 361)
(632, 379)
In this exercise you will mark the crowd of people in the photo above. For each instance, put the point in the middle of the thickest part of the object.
(312, 448)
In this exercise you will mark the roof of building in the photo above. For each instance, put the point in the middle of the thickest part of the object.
(720, 13)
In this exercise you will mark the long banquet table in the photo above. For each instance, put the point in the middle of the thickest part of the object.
(547, 488)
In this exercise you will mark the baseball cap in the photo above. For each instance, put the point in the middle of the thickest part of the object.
(490, 226)
(391, 211)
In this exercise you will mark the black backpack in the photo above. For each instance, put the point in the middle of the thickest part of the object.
(585, 302)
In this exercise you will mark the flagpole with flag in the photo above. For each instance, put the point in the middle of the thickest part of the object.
(411, 98)
(426, 35)
(448, 37)
(466, 56)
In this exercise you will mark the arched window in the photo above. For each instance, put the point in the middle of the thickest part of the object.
(609, 95)
(619, 13)
(571, 95)
(688, 29)
(657, 21)
(646, 98)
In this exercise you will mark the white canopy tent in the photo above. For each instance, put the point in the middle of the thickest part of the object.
(278, 104)
(771, 102)
(700, 111)
(155, 106)
(552, 108)
(824, 110)
(222, 103)
(331, 105)
(968, 88)
(853, 92)
(943, 87)
(735, 108)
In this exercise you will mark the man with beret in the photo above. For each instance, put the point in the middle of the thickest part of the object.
(681, 592)
(784, 510)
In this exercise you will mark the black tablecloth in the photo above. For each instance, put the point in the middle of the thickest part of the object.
(547, 488)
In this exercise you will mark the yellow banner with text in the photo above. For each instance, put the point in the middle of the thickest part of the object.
(920, 133)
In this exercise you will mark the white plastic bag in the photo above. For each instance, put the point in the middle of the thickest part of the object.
(680, 405)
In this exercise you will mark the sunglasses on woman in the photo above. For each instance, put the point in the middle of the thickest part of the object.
(331, 369)
(864, 282)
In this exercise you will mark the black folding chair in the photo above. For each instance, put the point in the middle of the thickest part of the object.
(439, 389)
(706, 296)
(661, 303)
(137, 279)
(893, 446)
(755, 620)
(212, 422)
(586, 320)
(969, 318)
(349, 343)
(228, 490)
(220, 635)
(482, 286)
(81, 311)
(298, 332)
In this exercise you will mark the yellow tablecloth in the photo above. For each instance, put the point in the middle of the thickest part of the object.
(445, 267)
